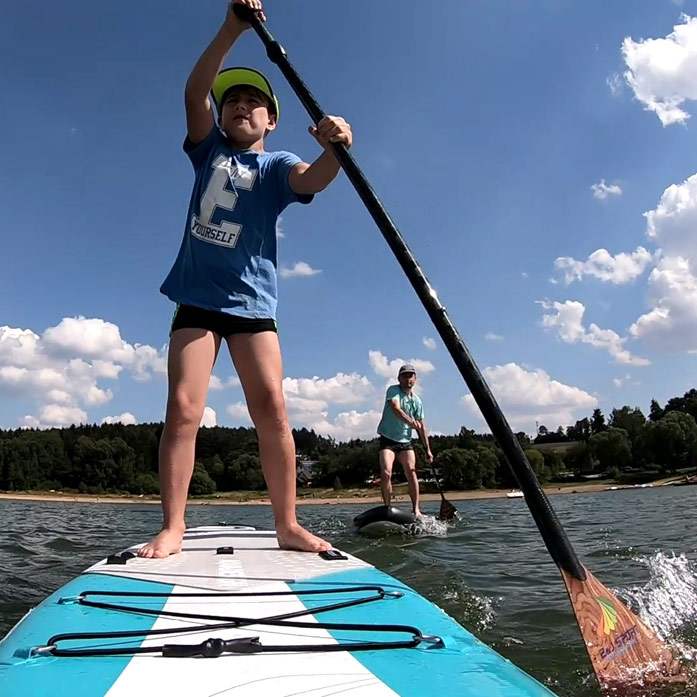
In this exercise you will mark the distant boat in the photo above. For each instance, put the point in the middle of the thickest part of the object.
(514, 495)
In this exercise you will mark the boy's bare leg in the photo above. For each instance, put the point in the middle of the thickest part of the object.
(257, 358)
(407, 458)
(386, 462)
(190, 360)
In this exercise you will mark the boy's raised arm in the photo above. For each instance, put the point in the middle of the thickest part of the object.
(199, 112)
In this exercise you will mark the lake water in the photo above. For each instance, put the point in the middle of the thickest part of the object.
(490, 571)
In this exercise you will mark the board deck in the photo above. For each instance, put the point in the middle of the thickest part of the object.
(462, 667)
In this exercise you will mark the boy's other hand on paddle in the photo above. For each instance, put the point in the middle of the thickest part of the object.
(332, 129)
(234, 23)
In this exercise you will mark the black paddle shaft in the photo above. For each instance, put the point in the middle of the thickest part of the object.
(551, 530)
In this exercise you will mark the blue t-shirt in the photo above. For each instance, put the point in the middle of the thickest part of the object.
(227, 259)
(391, 426)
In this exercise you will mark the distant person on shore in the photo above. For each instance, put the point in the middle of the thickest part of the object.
(402, 412)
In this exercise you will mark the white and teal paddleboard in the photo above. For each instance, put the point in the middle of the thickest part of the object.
(330, 627)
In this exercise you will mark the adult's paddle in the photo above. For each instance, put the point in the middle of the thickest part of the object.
(624, 652)
(447, 510)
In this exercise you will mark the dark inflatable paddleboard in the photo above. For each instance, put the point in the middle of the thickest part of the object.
(383, 519)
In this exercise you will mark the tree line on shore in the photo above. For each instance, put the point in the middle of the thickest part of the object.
(114, 458)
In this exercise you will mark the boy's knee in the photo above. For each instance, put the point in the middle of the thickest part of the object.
(268, 407)
(184, 410)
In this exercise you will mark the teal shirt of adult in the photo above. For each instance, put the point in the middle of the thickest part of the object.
(391, 426)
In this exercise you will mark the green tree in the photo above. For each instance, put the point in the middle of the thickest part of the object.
(244, 474)
(686, 404)
(578, 459)
(611, 448)
(466, 439)
(458, 468)
(201, 482)
(655, 412)
(672, 441)
(146, 483)
(488, 463)
(629, 419)
(597, 422)
(582, 429)
(537, 462)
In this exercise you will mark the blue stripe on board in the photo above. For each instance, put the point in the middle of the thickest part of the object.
(464, 668)
(74, 677)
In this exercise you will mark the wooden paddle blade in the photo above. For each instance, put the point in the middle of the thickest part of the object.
(447, 510)
(624, 652)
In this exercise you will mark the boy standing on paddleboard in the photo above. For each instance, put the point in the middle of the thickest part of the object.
(224, 277)
(403, 411)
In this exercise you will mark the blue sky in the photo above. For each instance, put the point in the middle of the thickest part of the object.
(538, 157)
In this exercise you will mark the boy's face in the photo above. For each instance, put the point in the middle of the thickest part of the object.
(407, 380)
(245, 115)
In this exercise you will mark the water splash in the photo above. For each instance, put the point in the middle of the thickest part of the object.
(333, 525)
(668, 602)
(476, 612)
(429, 526)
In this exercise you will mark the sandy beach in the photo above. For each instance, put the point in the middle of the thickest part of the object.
(359, 497)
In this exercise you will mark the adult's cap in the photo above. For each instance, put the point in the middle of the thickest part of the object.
(232, 77)
(407, 368)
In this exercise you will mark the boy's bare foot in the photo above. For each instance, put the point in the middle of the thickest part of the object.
(169, 541)
(297, 538)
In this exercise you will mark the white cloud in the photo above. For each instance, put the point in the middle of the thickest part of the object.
(148, 361)
(279, 229)
(527, 395)
(217, 384)
(239, 413)
(429, 343)
(341, 389)
(300, 269)
(309, 402)
(63, 367)
(20, 347)
(490, 336)
(209, 418)
(673, 222)
(301, 406)
(614, 82)
(663, 72)
(388, 369)
(602, 190)
(127, 419)
(59, 397)
(524, 274)
(87, 338)
(567, 319)
(344, 426)
(671, 322)
(621, 268)
(671, 325)
(59, 415)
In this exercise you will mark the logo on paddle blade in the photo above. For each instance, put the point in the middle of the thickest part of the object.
(609, 615)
